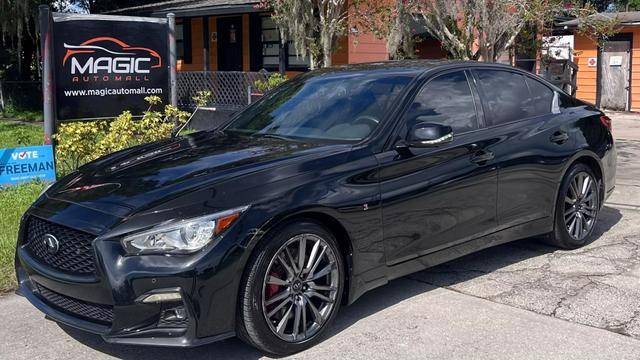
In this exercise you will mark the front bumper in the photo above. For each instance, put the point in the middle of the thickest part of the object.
(145, 334)
(110, 303)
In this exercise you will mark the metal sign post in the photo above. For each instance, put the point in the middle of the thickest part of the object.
(47, 74)
(173, 56)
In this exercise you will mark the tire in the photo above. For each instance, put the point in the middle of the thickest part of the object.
(304, 294)
(581, 212)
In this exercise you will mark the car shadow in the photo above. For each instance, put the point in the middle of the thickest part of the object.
(379, 299)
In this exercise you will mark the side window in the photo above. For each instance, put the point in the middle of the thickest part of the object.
(445, 100)
(541, 97)
(505, 97)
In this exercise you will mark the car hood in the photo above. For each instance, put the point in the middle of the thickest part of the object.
(142, 177)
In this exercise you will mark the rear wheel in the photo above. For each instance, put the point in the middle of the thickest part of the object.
(577, 208)
(292, 290)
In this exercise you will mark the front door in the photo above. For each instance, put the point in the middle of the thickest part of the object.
(614, 79)
(436, 197)
(230, 43)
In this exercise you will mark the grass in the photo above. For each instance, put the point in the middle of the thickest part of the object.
(16, 135)
(14, 201)
(13, 113)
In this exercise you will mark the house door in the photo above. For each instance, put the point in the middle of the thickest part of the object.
(230, 43)
(614, 79)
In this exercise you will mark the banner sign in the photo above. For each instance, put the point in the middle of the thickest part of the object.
(103, 65)
(26, 164)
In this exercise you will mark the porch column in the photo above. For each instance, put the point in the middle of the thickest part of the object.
(205, 43)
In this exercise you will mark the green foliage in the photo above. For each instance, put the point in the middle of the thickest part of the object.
(81, 142)
(202, 98)
(634, 5)
(14, 113)
(621, 5)
(76, 144)
(153, 100)
(599, 27)
(14, 201)
(274, 80)
(14, 135)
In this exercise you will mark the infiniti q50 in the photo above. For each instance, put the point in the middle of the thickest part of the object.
(334, 183)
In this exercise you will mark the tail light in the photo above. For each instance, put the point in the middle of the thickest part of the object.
(606, 121)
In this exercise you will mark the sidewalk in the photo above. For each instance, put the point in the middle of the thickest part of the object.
(406, 319)
(626, 125)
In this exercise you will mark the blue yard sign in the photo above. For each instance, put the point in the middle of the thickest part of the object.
(26, 164)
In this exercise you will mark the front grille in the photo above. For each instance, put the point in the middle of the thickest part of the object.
(93, 312)
(74, 253)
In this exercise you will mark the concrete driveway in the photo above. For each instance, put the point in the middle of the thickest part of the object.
(520, 300)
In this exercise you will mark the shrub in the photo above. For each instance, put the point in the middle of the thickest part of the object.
(81, 142)
(274, 80)
(202, 98)
(76, 144)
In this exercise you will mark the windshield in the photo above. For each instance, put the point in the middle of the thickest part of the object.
(335, 106)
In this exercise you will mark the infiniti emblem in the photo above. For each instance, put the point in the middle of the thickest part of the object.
(51, 243)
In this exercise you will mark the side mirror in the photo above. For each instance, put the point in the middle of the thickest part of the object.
(428, 135)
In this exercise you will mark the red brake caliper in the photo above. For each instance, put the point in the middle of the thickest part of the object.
(273, 289)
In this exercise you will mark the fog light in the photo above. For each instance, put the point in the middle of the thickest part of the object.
(175, 317)
(178, 313)
(161, 297)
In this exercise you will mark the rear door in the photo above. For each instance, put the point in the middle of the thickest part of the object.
(532, 142)
(433, 198)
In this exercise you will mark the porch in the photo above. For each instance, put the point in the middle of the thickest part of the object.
(236, 35)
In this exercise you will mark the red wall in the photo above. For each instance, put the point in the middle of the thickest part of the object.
(367, 48)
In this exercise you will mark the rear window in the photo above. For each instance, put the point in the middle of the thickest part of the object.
(541, 97)
(509, 96)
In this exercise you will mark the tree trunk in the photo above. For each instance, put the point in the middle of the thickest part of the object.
(327, 47)
(19, 47)
(312, 61)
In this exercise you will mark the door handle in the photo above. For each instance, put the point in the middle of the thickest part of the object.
(559, 137)
(482, 156)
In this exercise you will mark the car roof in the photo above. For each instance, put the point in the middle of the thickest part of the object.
(412, 67)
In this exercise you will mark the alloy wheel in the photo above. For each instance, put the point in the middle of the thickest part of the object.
(300, 287)
(581, 205)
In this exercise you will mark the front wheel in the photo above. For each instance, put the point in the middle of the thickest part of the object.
(292, 290)
(577, 208)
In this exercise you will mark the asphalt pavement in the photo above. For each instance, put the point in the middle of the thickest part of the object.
(523, 300)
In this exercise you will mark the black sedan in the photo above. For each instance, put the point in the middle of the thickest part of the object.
(333, 184)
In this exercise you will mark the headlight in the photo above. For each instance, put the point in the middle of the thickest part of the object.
(182, 237)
